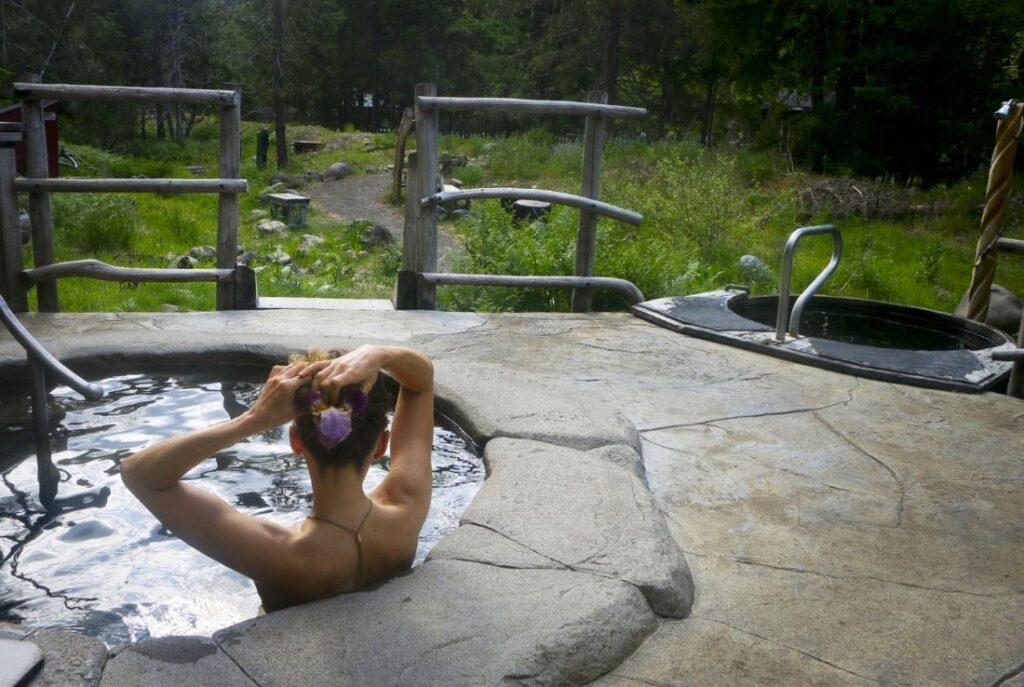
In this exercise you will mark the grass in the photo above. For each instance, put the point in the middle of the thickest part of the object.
(702, 210)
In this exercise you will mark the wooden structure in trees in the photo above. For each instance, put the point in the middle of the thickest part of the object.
(418, 277)
(236, 284)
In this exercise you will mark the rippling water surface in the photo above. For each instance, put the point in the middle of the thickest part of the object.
(102, 564)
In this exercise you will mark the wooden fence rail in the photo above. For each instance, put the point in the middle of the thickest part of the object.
(236, 286)
(417, 280)
(166, 186)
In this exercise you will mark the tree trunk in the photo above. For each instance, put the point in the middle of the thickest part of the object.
(278, 85)
(160, 122)
(611, 50)
(818, 68)
(375, 113)
(708, 123)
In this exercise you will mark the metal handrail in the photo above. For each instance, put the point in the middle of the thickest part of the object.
(784, 321)
(35, 350)
(39, 361)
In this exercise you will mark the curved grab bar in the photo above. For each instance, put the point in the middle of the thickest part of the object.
(581, 202)
(784, 321)
(35, 350)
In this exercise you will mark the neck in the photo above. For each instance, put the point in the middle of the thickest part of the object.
(337, 492)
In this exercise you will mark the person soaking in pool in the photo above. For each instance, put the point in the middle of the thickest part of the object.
(338, 411)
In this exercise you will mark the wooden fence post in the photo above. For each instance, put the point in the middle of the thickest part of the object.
(36, 166)
(586, 235)
(406, 286)
(13, 261)
(396, 172)
(426, 185)
(227, 205)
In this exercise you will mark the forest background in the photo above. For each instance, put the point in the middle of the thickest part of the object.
(899, 92)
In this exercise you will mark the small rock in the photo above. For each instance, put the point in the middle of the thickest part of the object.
(26, 226)
(186, 262)
(309, 242)
(286, 179)
(203, 252)
(339, 170)
(377, 235)
(457, 183)
(272, 227)
(170, 258)
(279, 187)
(246, 257)
(488, 147)
(460, 213)
(169, 307)
(754, 268)
(196, 170)
(317, 266)
(362, 255)
(280, 257)
(259, 213)
(240, 250)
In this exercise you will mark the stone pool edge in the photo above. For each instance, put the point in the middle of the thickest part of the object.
(528, 630)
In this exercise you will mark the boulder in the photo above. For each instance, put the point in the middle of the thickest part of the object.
(309, 242)
(272, 227)
(246, 257)
(279, 256)
(1004, 309)
(754, 268)
(377, 235)
(186, 262)
(203, 252)
(449, 623)
(582, 512)
(338, 170)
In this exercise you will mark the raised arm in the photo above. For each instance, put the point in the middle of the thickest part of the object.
(412, 428)
(203, 520)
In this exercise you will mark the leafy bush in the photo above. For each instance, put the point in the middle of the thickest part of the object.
(93, 223)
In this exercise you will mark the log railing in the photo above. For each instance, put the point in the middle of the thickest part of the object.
(236, 285)
(418, 277)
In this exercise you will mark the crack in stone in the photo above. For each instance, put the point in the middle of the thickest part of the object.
(786, 646)
(640, 680)
(867, 454)
(1006, 677)
(771, 413)
(518, 543)
(565, 566)
(231, 658)
(840, 578)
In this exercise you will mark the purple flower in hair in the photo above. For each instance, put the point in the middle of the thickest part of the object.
(333, 425)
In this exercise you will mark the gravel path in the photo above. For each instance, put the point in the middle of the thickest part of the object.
(361, 197)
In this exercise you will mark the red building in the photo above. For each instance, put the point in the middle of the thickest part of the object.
(12, 113)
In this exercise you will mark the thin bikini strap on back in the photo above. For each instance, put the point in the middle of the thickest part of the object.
(356, 533)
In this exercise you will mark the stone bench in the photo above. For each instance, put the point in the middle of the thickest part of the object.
(290, 207)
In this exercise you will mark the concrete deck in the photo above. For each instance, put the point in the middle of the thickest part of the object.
(838, 531)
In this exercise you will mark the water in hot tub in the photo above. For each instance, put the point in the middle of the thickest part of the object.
(101, 564)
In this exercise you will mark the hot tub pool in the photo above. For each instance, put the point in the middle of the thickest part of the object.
(100, 563)
(894, 343)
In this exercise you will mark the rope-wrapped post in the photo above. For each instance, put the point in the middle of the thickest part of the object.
(1000, 178)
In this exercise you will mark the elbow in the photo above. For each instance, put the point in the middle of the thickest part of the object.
(129, 473)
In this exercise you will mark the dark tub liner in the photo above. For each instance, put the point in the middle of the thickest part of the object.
(716, 316)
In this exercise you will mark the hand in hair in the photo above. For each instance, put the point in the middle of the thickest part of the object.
(358, 367)
(275, 405)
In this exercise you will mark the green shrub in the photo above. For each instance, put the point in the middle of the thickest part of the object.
(92, 222)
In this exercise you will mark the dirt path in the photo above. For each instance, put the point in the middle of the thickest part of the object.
(361, 197)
